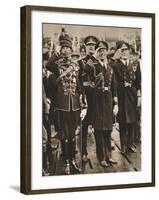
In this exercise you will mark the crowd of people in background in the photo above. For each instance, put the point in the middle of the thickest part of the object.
(91, 84)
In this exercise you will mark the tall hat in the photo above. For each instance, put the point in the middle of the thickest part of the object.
(90, 40)
(102, 45)
(65, 41)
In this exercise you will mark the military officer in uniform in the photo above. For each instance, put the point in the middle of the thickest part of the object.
(66, 83)
(129, 96)
(105, 104)
(88, 84)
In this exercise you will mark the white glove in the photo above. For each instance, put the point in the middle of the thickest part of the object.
(83, 113)
(117, 54)
(138, 101)
(48, 101)
(115, 110)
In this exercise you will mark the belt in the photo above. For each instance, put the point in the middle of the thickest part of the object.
(104, 88)
(127, 84)
(88, 83)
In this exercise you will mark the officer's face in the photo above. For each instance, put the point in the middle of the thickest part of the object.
(102, 53)
(125, 53)
(90, 48)
(66, 51)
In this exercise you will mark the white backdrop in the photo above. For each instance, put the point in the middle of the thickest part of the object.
(10, 98)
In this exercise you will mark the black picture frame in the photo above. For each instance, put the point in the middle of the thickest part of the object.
(26, 42)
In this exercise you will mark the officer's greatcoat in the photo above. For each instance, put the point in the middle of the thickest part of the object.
(88, 84)
(103, 96)
(128, 80)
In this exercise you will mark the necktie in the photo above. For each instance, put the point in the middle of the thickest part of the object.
(126, 63)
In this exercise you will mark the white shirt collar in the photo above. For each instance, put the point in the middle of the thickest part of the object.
(104, 63)
(125, 61)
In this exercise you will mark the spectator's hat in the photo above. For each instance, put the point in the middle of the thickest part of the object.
(132, 51)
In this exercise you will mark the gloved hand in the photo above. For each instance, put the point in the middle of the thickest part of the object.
(138, 101)
(115, 110)
(83, 113)
(83, 101)
(117, 54)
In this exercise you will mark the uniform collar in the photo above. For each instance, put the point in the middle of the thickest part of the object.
(104, 64)
(125, 62)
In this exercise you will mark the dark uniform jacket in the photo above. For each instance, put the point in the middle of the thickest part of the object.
(64, 85)
(103, 95)
(128, 80)
(88, 84)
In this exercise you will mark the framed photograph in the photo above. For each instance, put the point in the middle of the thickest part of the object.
(87, 99)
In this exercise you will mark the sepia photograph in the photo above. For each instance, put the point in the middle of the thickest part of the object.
(87, 118)
(91, 99)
